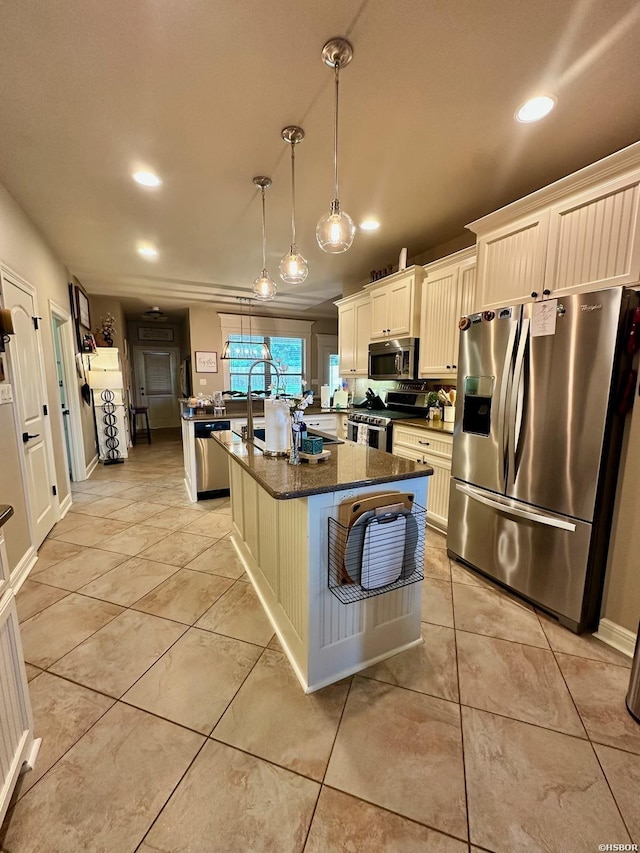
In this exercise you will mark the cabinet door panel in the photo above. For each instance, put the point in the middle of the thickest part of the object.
(401, 308)
(511, 262)
(346, 338)
(438, 492)
(362, 337)
(379, 314)
(439, 325)
(595, 242)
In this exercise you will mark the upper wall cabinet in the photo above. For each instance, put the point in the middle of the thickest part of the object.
(448, 292)
(580, 234)
(354, 327)
(395, 305)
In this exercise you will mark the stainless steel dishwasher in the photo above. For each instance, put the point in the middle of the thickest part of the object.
(212, 462)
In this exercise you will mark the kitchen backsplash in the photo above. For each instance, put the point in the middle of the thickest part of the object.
(358, 386)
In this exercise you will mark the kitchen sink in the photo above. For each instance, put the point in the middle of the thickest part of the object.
(327, 440)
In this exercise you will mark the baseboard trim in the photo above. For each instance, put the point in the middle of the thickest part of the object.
(65, 506)
(615, 635)
(21, 571)
(91, 467)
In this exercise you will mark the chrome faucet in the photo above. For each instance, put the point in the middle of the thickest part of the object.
(249, 406)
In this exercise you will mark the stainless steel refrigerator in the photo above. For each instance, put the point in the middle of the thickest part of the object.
(536, 447)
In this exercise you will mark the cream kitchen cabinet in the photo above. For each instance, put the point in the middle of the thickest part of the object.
(18, 749)
(354, 326)
(448, 292)
(579, 234)
(325, 423)
(428, 447)
(395, 305)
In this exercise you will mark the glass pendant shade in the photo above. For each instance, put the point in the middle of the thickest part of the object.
(264, 287)
(335, 230)
(293, 267)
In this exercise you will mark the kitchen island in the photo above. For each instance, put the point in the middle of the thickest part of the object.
(281, 518)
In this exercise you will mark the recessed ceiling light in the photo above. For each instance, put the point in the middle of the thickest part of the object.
(369, 225)
(536, 108)
(147, 179)
(148, 252)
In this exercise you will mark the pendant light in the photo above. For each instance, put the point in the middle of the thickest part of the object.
(248, 350)
(293, 267)
(264, 287)
(335, 230)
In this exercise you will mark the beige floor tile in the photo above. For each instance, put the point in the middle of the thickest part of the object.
(239, 614)
(52, 551)
(62, 713)
(599, 691)
(517, 681)
(530, 788)
(436, 564)
(428, 668)
(230, 801)
(275, 644)
(496, 614)
(178, 549)
(129, 581)
(622, 770)
(403, 751)
(185, 596)
(584, 645)
(273, 718)
(342, 822)
(174, 518)
(134, 540)
(103, 507)
(32, 671)
(79, 570)
(116, 656)
(49, 635)
(105, 792)
(137, 512)
(437, 604)
(70, 521)
(103, 487)
(461, 574)
(94, 532)
(435, 539)
(34, 597)
(140, 493)
(193, 683)
(212, 524)
(220, 559)
(79, 497)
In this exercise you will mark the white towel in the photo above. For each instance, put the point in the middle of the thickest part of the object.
(277, 426)
(363, 434)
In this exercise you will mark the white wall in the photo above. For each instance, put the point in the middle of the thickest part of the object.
(24, 250)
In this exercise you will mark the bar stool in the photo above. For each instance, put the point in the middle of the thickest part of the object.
(135, 411)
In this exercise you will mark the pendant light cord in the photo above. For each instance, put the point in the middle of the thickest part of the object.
(293, 194)
(264, 235)
(335, 136)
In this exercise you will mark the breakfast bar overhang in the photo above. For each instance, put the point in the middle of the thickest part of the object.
(281, 523)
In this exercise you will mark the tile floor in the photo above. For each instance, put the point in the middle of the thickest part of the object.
(171, 720)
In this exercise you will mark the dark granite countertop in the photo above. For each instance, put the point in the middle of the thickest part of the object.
(423, 423)
(350, 466)
(6, 512)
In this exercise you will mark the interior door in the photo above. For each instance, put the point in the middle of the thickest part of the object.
(62, 391)
(157, 385)
(26, 361)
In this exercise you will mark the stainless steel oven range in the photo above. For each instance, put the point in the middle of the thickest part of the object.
(371, 429)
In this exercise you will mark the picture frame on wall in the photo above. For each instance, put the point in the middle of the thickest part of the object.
(149, 333)
(206, 362)
(84, 316)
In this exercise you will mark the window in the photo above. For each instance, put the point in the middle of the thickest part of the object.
(334, 373)
(288, 355)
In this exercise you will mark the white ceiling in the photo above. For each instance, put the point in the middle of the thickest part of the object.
(199, 91)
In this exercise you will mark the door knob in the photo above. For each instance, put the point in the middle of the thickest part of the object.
(26, 436)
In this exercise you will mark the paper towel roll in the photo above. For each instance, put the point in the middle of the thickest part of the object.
(277, 420)
(325, 397)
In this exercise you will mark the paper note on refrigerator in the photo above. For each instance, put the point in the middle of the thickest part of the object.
(543, 321)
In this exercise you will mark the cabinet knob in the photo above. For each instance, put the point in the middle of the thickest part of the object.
(546, 292)
(455, 366)
(534, 294)
(448, 367)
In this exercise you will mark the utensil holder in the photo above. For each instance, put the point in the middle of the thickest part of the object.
(449, 414)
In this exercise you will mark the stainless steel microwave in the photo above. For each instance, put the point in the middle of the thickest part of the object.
(394, 359)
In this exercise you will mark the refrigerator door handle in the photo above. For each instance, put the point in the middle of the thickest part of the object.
(530, 515)
(512, 412)
(503, 435)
